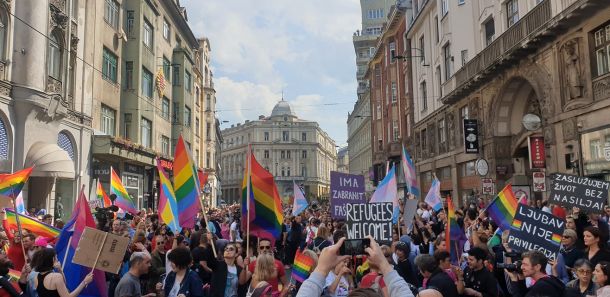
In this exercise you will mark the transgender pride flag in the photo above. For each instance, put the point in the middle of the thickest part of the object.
(408, 169)
(387, 192)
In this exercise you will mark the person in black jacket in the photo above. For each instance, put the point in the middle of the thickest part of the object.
(435, 277)
(227, 275)
(478, 281)
(403, 266)
(533, 265)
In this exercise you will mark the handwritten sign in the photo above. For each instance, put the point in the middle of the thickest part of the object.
(113, 250)
(373, 219)
(534, 229)
(585, 193)
(345, 189)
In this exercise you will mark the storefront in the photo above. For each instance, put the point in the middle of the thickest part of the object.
(595, 149)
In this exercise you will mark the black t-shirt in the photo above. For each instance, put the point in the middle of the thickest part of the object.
(202, 254)
(405, 270)
(482, 281)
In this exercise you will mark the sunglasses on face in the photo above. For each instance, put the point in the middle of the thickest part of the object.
(229, 249)
(584, 271)
(264, 247)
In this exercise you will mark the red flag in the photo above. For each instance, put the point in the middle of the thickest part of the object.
(203, 178)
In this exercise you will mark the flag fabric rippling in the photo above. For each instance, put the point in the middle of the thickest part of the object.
(300, 203)
(168, 206)
(503, 208)
(123, 200)
(102, 196)
(302, 266)
(433, 198)
(408, 169)
(186, 185)
(31, 224)
(454, 235)
(387, 191)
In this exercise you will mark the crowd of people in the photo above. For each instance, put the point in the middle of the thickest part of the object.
(214, 259)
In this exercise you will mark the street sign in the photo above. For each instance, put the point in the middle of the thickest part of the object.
(537, 155)
(488, 186)
(471, 136)
(539, 181)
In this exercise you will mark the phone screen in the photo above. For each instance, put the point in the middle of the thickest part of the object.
(354, 246)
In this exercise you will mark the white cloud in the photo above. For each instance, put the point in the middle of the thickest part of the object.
(243, 100)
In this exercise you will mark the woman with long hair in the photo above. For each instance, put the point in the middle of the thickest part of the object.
(321, 240)
(263, 271)
(601, 277)
(52, 284)
(596, 250)
(181, 279)
(583, 282)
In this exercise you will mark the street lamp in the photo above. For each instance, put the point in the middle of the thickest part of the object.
(421, 55)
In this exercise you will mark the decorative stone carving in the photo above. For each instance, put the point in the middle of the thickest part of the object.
(56, 106)
(53, 85)
(58, 4)
(78, 117)
(569, 129)
(2, 71)
(601, 89)
(58, 18)
(549, 134)
(6, 4)
(540, 81)
(570, 54)
(431, 140)
(74, 43)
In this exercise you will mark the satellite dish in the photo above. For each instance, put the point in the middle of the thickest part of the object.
(531, 122)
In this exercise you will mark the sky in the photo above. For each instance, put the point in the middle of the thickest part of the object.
(261, 48)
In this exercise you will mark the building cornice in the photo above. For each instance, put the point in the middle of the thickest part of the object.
(180, 22)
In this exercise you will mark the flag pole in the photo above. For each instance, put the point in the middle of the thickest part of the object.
(205, 218)
(25, 258)
(249, 163)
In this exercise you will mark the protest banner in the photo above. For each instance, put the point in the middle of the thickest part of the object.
(410, 210)
(373, 219)
(102, 249)
(345, 189)
(588, 194)
(534, 229)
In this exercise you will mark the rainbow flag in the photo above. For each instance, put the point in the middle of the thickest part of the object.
(302, 267)
(503, 208)
(14, 275)
(517, 224)
(261, 197)
(31, 224)
(11, 184)
(168, 206)
(556, 238)
(123, 200)
(408, 169)
(454, 235)
(101, 196)
(66, 246)
(186, 185)
(387, 191)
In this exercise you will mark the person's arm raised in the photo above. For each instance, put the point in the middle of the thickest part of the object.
(396, 284)
(328, 260)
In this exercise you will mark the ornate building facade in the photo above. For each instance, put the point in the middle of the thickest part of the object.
(538, 70)
(292, 149)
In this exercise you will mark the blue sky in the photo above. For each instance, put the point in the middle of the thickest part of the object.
(261, 47)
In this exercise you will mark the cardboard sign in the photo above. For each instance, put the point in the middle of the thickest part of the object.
(534, 229)
(113, 250)
(410, 210)
(373, 219)
(585, 193)
(345, 189)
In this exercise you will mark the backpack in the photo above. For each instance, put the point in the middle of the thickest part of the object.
(316, 248)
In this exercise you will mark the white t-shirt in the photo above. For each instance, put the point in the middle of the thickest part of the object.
(235, 228)
(231, 284)
(342, 288)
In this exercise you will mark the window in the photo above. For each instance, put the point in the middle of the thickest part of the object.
(437, 31)
(394, 92)
(424, 140)
(288, 154)
(288, 171)
(283, 154)
(147, 83)
(266, 154)
(164, 145)
(187, 116)
(108, 120)
(196, 126)
(208, 102)
(461, 2)
(445, 7)
(392, 48)
(176, 116)
(424, 95)
(166, 68)
(395, 130)
(602, 50)
(64, 141)
(422, 50)
(596, 149)
(266, 136)
(127, 125)
(304, 136)
(148, 34)
(3, 34)
(130, 23)
(464, 56)
(373, 31)
(377, 75)
(285, 136)
(146, 132)
(187, 81)
(441, 131)
(512, 12)
(109, 65)
(55, 57)
(129, 75)
(303, 171)
(439, 81)
(490, 31)
(283, 171)
(176, 75)
(467, 169)
(111, 13)
(165, 108)
(375, 14)
(208, 160)
(463, 116)
(166, 31)
(304, 154)
(447, 60)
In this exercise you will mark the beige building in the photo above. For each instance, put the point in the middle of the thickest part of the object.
(521, 69)
(374, 16)
(343, 160)
(45, 114)
(292, 149)
(143, 89)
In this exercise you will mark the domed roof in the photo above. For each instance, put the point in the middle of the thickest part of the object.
(282, 108)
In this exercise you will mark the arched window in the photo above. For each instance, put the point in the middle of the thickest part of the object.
(55, 55)
(3, 33)
(4, 148)
(65, 142)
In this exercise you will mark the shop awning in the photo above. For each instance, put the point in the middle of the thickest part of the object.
(50, 161)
